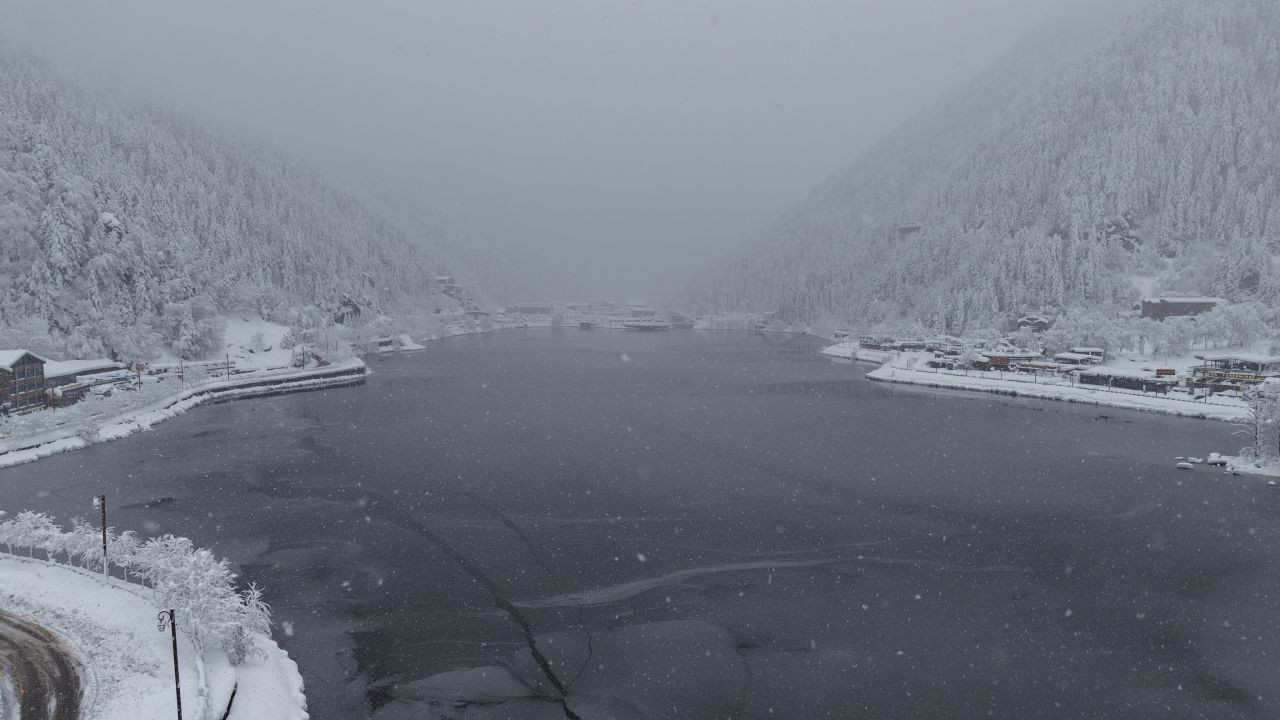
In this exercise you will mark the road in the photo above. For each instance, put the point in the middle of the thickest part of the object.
(37, 668)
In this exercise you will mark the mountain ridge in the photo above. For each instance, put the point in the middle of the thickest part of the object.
(126, 230)
(1054, 193)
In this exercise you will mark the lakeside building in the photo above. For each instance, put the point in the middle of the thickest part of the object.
(946, 345)
(890, 344)
(1164, 307)
(1127, 379)
(874, 342)
(21, 379)
(1235, 371)
(1004, 359)
(449, 286)
(532, 309)
(69, 381)
(1034, 323)
(65, 372)
(1077, 358)
(1040, 367)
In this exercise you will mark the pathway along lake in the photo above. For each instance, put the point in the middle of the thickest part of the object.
(728, 525)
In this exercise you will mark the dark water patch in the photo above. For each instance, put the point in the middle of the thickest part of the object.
(996, 558)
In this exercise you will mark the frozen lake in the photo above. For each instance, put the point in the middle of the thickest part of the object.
(741, 528)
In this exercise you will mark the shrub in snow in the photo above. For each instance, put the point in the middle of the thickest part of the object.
(191, 581)
(88, 433)
(30, 530)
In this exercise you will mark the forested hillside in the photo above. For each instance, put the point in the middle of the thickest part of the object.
(1050, 183)
(123, 231)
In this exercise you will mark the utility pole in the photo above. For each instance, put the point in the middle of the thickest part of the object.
(167, 617)
(101, 502)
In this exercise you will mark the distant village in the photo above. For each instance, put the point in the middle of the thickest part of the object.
(1233, 373)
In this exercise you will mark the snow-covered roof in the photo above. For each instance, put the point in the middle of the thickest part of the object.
(1258, 358)
(1185, 299)
(1087, 350)
(1084, 357)
(1126, 373)
(67, 368)
(8, 358)
(1011, 354)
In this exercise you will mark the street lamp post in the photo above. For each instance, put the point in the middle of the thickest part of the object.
(101, 502)
(168, 618)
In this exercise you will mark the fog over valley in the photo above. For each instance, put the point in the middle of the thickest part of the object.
(607, 148)
(639, 359)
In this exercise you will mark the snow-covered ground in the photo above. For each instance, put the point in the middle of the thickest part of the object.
(101, 417)
(111, 627)
(407, 344)
(911, 369)
(255, 344)
(1269, 467)
(851, 351)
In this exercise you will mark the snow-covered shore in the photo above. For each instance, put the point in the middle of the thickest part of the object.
(851, 351)
(27, 447)
(908, 369)
(110, 626)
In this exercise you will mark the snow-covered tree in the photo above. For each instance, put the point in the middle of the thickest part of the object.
(123, 230)
(1047, 183)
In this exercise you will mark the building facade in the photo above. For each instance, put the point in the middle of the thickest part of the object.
(21, 380)
(1165, 307)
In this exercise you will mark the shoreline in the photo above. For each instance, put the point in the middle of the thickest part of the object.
(252, 385)
(1120, 400)
(1065, 393)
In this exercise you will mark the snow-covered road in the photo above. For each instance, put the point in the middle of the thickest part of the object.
(39, 677)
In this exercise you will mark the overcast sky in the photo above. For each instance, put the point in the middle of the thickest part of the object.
(609, 147)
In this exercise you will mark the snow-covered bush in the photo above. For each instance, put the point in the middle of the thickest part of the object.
(191, 581)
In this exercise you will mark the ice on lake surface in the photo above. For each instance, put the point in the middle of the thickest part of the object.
(736, 525)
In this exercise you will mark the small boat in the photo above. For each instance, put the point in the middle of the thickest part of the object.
(586, 325)
(1184, 466)
(646, 325)
(682, 325)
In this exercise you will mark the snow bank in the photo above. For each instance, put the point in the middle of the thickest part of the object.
(1248, 466)
(408, 345)
(1056, 389)
(111, 626)
(128, 662)
(255, 344)
(851, 351)
(841, 351)
(269, 687)
(28, 448)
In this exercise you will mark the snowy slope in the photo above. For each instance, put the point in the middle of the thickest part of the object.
(128, 665)
(1050, 182)
(124, 230)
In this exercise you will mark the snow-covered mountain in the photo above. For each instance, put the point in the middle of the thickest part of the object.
(1066, 172)
(124, 230)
